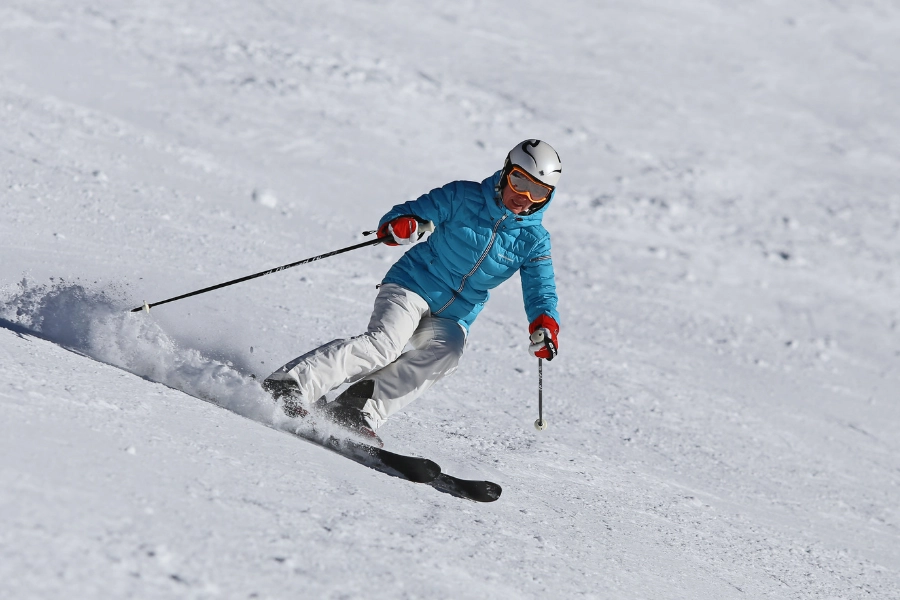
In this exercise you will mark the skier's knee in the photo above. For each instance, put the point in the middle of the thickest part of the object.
(383, 346)
(447, 355)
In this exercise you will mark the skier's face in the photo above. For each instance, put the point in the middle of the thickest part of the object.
(523, 192)
(515, 202)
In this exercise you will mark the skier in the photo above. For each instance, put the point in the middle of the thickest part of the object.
(483, 234)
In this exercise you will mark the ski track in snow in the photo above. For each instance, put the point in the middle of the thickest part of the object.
(92, 323)
(723, 413)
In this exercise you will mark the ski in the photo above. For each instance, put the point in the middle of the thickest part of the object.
(420, 470)
(415, 469)
(477, 491)
(371, 453)
(411, 468)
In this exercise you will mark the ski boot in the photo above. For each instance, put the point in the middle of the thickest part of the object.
(288, 393)
(346, 411)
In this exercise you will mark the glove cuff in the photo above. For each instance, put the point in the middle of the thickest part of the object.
(545, 322)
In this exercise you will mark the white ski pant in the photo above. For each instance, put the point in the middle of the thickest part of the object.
(400, 317)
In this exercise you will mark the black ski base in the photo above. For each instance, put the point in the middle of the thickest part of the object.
(477, 491)
(411, 468)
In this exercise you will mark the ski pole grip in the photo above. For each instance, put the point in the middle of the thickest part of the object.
(424, 227)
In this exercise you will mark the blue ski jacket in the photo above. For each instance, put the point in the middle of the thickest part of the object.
(477, 244)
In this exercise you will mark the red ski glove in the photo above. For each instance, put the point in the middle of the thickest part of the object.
(543, 332)
(400, 231)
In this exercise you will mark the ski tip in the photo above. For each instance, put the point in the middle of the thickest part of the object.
(476, 491)
(492, 492)
(485, 491)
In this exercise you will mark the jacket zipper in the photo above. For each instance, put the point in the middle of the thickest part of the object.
(484, 254)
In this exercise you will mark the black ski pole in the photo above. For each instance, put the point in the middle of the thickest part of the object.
(147, 307)
(540, 424)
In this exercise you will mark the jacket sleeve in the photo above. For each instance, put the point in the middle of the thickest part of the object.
(538, 282)
(435, 206)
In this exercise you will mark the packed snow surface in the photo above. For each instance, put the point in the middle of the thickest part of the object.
(724, 409)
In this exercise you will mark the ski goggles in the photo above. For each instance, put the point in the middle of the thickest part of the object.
(523, 183)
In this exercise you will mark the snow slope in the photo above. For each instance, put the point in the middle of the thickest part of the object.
(723, 412)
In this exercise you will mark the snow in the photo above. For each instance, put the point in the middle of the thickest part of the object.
(723, 411)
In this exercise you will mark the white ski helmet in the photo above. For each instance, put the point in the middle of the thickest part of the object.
(538, 159)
